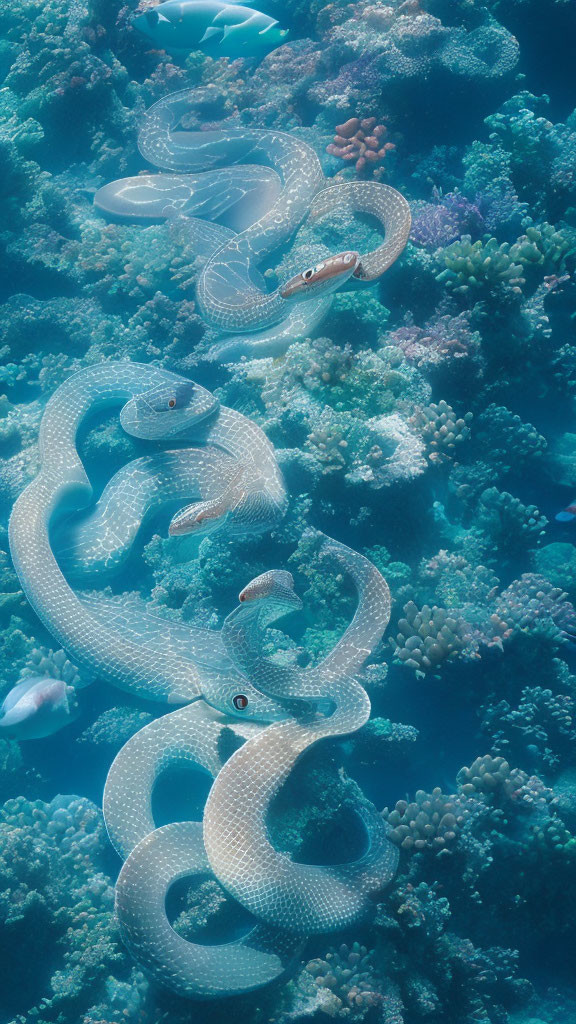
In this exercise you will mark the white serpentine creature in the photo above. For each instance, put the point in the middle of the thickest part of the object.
(169, 661)
(156, 405)
(301, 898)
(239, 216)
(288, 900)
(101, 541)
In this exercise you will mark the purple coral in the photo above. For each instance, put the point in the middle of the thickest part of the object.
(444, 220)
(442, 342)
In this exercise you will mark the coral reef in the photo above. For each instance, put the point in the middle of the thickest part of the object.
(427, 422)
(362, 142)
(441, 429)
(58, 898)
(428, 637)
(430, 820)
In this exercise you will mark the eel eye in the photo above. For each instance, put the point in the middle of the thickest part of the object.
(308, 274)
(240, 702)
(172, 403)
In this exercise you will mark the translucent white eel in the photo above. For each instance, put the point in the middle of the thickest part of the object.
(240, 213)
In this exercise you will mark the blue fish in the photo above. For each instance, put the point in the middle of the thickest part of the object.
(567, 514)
(220, 29)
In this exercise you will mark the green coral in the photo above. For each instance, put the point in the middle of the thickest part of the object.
(557, 562)
(481, 270)
(511, 525)
(545, 249)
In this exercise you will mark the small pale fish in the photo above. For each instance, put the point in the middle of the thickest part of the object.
(567, 514)
(36, 708)
(217, 28)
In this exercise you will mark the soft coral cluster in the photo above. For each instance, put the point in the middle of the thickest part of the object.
(418, 428)
(361, 142)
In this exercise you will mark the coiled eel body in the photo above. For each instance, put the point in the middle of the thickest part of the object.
(146, 394)
(238, 213)
(247, 720)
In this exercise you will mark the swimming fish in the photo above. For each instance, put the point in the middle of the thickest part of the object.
(567, 514)
(218, 28)
(36, 708)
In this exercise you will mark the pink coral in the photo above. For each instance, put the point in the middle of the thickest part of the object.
(361, 141)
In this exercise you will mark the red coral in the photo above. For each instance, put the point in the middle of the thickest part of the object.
(361, 141)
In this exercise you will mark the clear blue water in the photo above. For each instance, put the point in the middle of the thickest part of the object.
(426, 422)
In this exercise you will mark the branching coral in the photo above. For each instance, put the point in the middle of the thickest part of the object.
(533, 603)
(431, 821)
(499, 784)
(456, 581)
(511, 443)
(556, 562)
(541, 152)
(377, 452)
(114, 727)
(481, 270)
(538, 732)
(446, 347)
(441, 429)
(45, 662)
(319, 373)
(439, 223)
(349, 976)
(545, 249)
(509, 523)
(203, 904)
(363, 142)
(488, 178)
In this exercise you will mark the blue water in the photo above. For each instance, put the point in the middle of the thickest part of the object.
(466, 109)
